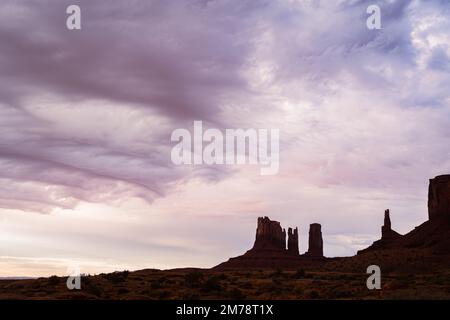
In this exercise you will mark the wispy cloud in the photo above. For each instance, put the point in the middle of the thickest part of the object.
(86, 116)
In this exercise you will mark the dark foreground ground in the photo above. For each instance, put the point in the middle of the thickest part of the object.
(403, 277)
(154, 284)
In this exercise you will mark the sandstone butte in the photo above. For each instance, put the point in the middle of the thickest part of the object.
(270, 250)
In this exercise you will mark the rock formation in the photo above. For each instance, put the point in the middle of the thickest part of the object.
(269, 235)
(293, 241)
(433, 234)
(388, 235)
(315, 243)
(431, 237)
(269, 249)
(439, 197)
(387, 222)
(386, 231)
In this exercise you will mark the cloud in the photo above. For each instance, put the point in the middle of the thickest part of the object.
(86, 111)
(86, 116)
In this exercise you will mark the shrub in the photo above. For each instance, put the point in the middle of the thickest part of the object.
(85, 280)
(236, 294)
(223, 276)
(117, 277)
(300, 274)
(123, 291)
(156, 284)
(314, 295)
(212, 284)
(190, 296)
(298, 292)
(164, 294)
(277, 273)
(53, 280)
(193, 279)
(246, 285)
(94, 289)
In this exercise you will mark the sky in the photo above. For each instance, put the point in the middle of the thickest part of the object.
(86, 117)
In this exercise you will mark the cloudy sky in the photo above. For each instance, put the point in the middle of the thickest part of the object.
(86, 117)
